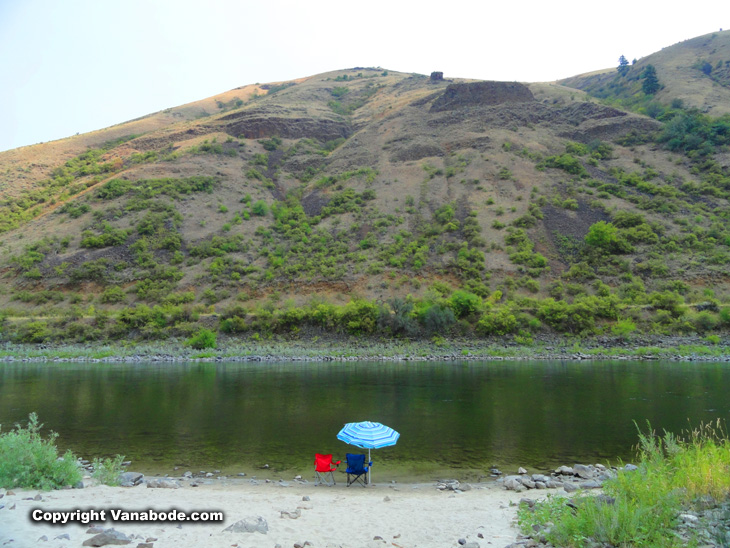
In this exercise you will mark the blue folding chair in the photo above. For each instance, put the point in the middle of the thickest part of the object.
(356, 469)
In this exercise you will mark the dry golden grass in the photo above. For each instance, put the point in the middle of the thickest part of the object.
(22, 168)
(678, 72)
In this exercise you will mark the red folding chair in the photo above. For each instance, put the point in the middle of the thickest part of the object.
(324, 467)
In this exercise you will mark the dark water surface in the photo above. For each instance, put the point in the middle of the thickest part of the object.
(456, 419)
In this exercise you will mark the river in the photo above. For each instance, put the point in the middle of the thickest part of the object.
(456, 419)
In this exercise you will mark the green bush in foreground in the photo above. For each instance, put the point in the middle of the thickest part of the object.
(674, 475)
(29, 461)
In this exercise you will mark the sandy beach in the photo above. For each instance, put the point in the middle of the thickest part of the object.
(401, 515)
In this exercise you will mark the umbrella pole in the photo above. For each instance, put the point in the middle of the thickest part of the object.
(369, 465)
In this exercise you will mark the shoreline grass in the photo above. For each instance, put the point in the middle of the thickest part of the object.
(326, 349)
(676, 474)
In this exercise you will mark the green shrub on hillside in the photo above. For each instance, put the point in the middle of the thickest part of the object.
(623, 328)
(109, 237)
(581, 271)
(260, 208)
(605, 238)
(74, 209)
(143, 158)
(113, 295)
(627, 219)
(33, 332)
(149, 188)
(396, 318)
(358, 317)
(704, 321)
(347, 201)
(203, 339)
(331, 145)
(339, 91)
(497, 322)
(29, 461)
(464, 303)
(271, 144)
(695, 134)
(579, 149)
(113, 189)
(567, 163)
(234, 324)
(97, 270)
(438, 319)
(260, 160)
(670, 301)
(207, 148)
(725, 316)
(567, 318)
(218, 246)
(529, 259)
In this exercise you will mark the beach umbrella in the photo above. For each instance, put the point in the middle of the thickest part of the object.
(368, 435)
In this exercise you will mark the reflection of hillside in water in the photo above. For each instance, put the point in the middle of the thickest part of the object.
(455, 419)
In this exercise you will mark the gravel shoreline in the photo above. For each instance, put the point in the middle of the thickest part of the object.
(277, 359)
(343, 349)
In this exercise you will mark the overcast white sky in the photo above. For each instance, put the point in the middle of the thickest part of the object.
(69, 66)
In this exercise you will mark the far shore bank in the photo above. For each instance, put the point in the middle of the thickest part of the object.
(320, 349)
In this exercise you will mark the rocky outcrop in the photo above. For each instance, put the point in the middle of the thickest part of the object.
(314, 203)
(416, 151)
(482, 94)
(608, 129)
(580, 121)
(255, 125)
(161, 139)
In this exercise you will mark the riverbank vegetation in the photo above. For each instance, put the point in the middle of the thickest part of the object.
(30, 461)
(442, 314)
(678, 477)
(27, 460)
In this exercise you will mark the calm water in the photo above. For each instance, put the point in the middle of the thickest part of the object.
(455, 419)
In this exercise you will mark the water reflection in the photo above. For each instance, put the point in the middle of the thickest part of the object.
(455, 419)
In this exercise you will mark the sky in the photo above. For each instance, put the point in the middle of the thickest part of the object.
(72, 66)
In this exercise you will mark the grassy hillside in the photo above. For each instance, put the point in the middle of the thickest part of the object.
(368, 201)
(694, 73)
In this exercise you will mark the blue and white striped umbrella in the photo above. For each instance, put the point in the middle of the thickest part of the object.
(368, 435)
